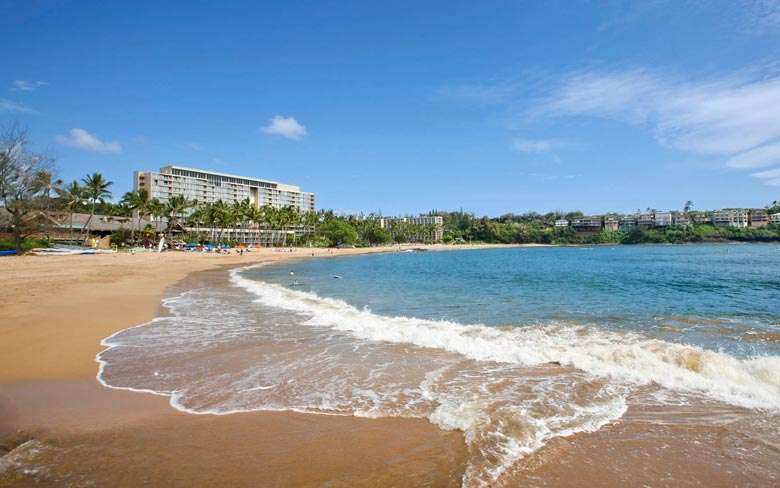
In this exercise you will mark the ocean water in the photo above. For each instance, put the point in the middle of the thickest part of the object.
(515, 347)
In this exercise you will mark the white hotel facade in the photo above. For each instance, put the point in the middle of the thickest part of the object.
(209, 186)
(435, 223)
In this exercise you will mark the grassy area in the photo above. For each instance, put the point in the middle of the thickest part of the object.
(8, 244)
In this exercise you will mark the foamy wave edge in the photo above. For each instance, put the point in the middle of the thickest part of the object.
(625, 357)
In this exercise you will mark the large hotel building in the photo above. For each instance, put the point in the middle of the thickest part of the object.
(210, 186)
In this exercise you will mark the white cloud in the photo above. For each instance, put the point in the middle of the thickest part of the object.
(772, 173)
(773, 182)
(22, 85)
(82, 139)
(534, 146)
(760, 16)
(759, 157)
(9, 106)
(286, 127)
(722, 116)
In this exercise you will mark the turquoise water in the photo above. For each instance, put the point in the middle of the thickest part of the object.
(721, 297)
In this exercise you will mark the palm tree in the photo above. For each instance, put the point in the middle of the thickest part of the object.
(271, 219)
(142, 207)
(156, 209)
(290, 218)
(96, 189)
(688, 206)
(176, 205)
(240, 211)
(218, 215)
(47, 184)
(254, 216)
(74, 196)
(131, 200)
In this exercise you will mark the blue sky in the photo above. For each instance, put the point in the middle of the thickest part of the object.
(403, 107)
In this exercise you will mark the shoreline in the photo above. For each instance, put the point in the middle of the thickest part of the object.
(62, 427)
(58, 309)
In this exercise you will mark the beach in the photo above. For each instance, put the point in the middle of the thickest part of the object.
(63, 428)
(56, 311)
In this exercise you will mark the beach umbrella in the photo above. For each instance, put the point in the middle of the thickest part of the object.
(193, 244)
(209, 246)
(241, 246)
(225, 247)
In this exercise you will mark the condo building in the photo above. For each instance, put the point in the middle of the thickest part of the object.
(209, 186)
(587, 224)
(646, 221)
(730, 218)
(611, 223)
(681, 219)
(759, 217)
(663, 219)
(627, 223)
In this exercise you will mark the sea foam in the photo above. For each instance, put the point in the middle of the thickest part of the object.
(626, 357)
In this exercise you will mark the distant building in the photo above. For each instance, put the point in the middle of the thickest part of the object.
(587, 224)
(759, 217)
(730, 218)
(209, 186)
(699, 217)
(646, 221)
(432, 226)
(611, 224)
(561, 223)
(681, 219)
(627, 223)
(775, 218)
(663, 219)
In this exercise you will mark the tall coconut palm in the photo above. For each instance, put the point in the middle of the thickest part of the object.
(73, 194)
(142, 207)
(174, 210)
(289, 218)
(156, 209)
(96, 190)
(254, 216)
(131, 200)
(47, 184)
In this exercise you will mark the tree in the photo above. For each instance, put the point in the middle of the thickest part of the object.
(174, 209)
(688, 206)
(47, 184)
(338, 231)
(73, 195)
(131, 200)
(156, 209)
(96, 190)
(20, 182)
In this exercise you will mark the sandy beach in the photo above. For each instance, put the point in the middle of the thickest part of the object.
(60, 427)
(56, 311)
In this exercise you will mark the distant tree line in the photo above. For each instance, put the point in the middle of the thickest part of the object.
(535, 228)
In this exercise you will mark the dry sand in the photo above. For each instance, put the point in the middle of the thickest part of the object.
(55, 312)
